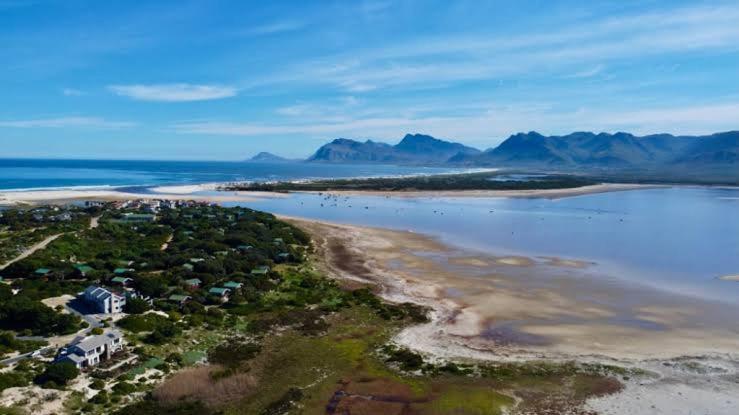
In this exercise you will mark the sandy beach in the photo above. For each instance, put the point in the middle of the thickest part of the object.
(492, 308)
(187, 192)
(208, 192)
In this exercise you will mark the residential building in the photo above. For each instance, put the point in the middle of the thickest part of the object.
(223, 293)
(102, 300)
(90, 351)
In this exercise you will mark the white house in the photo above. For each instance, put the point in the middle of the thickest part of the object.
(102, 300)
(89, 351)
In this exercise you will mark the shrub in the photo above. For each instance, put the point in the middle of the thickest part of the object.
(231, 354)
(12, 380)
(58, 374)
(136, 306)
(124, 388)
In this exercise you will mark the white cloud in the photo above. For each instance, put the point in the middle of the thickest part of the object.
(180, 92)
(67, 122)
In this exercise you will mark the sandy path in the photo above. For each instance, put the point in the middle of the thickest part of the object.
(94, 222)
(30, 250)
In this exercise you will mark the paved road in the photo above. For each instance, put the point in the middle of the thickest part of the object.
(28, 355)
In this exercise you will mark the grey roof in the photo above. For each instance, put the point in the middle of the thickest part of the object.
(92, 343)
(74, 358)
(98, 293)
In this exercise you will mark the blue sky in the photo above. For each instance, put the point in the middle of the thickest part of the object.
(226, 79)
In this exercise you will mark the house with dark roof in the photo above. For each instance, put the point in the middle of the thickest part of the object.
(102, 300)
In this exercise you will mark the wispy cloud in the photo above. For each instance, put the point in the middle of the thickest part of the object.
(488, 126)
(72, 92)
(563, 49)
(67, 122)
(180, 92)
(589, 72)
(275, 27)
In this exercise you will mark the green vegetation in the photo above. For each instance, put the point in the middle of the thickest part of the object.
(285, 340)
(28, 316)
(57, 375)
(9, 344)
(469, 181)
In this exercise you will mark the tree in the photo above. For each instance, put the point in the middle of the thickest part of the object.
(136, 306)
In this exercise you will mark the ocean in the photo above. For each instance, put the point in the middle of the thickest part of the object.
(23, 174)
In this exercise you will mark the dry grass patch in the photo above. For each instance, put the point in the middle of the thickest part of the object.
(200, 384)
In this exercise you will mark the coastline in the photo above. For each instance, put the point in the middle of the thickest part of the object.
(208, 193)
(531, 307)
(684, 358)
(184, 192)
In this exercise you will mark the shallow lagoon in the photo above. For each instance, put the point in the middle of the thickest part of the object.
(679, 238)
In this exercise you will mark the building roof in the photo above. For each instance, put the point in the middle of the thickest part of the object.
(97, 293)
(193, 281)
(121, 280)
(121, 270)
(232, 284)
(260, 270)
(83, 268)
(42, 271)
(77, 359)
(178, 297)
(219, 291)
(93, 342)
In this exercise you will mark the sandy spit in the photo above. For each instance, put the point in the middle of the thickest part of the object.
(185, 192)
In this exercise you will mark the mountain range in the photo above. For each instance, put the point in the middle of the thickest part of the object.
(534, 150)
(711, 158)
(412, 149)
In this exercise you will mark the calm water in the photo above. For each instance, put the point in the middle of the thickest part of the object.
(34, 174)
(679, 238)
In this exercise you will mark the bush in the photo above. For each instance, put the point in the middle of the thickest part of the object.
(124, 388)
(101, 398)
(97, 384)
(136, 306)
(141, 323)
(12, 380)
(407, 359)
(96, 331)
(231, 354)
(58, 374)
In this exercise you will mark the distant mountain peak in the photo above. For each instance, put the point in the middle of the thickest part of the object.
(413, 149)
(266, 156)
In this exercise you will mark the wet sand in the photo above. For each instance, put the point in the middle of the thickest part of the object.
(490, 307)
(533, 193)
